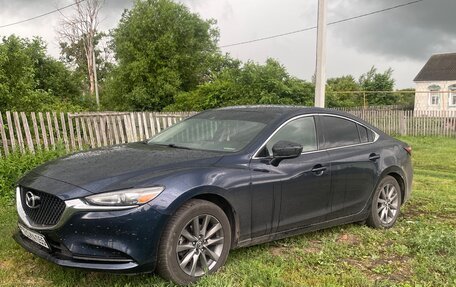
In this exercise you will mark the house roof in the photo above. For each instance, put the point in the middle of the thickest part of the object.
(440, 67)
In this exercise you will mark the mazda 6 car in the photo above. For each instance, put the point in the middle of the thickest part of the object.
(221, 179)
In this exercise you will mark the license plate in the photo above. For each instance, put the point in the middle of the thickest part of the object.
(34, 236)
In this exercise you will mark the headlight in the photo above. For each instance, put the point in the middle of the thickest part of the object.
(136, 196)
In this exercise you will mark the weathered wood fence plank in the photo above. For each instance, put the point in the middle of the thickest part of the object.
(3, 135)
(64, 132)
(36, 131)
(28, 134)
(10, 130)
(17, 125)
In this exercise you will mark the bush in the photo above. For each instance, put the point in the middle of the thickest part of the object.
(32, 81)
(16, 165)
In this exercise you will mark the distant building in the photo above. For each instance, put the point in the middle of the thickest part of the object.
(436, 84)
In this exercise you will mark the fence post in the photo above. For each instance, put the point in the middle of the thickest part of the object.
(3, 135)
(17, 125)
(402, 124)
(28, 135)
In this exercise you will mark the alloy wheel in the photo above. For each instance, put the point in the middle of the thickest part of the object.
(200, 245)
(387, 204)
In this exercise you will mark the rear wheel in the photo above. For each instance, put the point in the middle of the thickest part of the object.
(386, 204)
(195, 242)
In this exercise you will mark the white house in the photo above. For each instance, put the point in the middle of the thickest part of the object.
(436, 84)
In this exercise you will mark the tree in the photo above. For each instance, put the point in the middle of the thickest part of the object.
(32, 81)
(336, 97)
(161, 49)
(375, 81)
(81, 28)
(406, 98)
(251, 83)
(74, 56)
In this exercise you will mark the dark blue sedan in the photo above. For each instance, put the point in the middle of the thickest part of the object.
(222, 179)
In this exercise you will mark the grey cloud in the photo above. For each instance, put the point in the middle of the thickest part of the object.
(412, 32)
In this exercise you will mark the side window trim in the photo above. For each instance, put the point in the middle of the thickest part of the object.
(320, 136)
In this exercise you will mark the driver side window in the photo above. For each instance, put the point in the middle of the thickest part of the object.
(301, 131)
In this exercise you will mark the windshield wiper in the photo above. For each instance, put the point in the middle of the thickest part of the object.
(177, 146)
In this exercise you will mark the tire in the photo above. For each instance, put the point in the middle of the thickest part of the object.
(198, 257)
(386, 203)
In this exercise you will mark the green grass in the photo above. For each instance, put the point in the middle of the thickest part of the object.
(419, 251)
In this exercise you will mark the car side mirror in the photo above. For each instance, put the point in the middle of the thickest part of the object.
(283, 150)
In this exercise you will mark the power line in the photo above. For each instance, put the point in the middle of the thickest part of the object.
(330, 23)
(41, 15)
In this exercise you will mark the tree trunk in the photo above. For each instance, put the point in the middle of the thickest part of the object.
(90, 70)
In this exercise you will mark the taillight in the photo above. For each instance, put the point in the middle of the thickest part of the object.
(408, 149)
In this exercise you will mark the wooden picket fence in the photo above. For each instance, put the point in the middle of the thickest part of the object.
(28, 132)
(411, 123)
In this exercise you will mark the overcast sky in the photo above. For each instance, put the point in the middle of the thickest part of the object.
(402, 39)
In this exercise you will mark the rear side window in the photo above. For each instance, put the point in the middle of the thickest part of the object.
(339, 132)
(370, 135)
(363, 136)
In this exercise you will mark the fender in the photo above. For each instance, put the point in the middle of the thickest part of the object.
(397, 170)
(195, 192)
(214, 194)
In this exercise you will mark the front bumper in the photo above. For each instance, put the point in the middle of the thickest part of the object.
(124, 241)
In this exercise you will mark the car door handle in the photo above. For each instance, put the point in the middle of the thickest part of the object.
(374, 156)
(260, 170)
(318, 169)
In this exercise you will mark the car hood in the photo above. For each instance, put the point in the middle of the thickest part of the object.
(122, 166)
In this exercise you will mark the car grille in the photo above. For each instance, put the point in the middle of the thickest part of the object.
(48, 211)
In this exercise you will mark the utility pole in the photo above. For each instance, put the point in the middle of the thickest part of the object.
(320, 70)
(96, 80)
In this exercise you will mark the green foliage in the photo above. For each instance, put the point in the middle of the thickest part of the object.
(406, 98)
(363, 92)
(16, 165)
(32, 81)
(251, 83)
(162, 49)
(375, 81)
(345, 83)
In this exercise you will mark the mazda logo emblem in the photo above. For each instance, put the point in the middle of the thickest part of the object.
(32, 200)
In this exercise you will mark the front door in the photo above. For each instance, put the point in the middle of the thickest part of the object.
(298, 189)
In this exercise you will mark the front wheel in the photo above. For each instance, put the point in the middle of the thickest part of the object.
(195, 242)
(386, 203)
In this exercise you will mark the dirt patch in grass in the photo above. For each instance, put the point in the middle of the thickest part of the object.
(347, 238)
(8, 264)
(277, 250)
(313, 247)
(395, 268)
(413, 210)
(450, 215)
(418, 209)
(402, 270)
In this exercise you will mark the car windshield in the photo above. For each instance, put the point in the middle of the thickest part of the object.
(218, 130)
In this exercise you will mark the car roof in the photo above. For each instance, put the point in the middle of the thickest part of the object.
(286, 111)
(280, 109)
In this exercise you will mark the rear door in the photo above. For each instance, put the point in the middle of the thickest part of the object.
(353, 161)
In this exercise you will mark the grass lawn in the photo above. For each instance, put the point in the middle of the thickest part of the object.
(419, 251)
